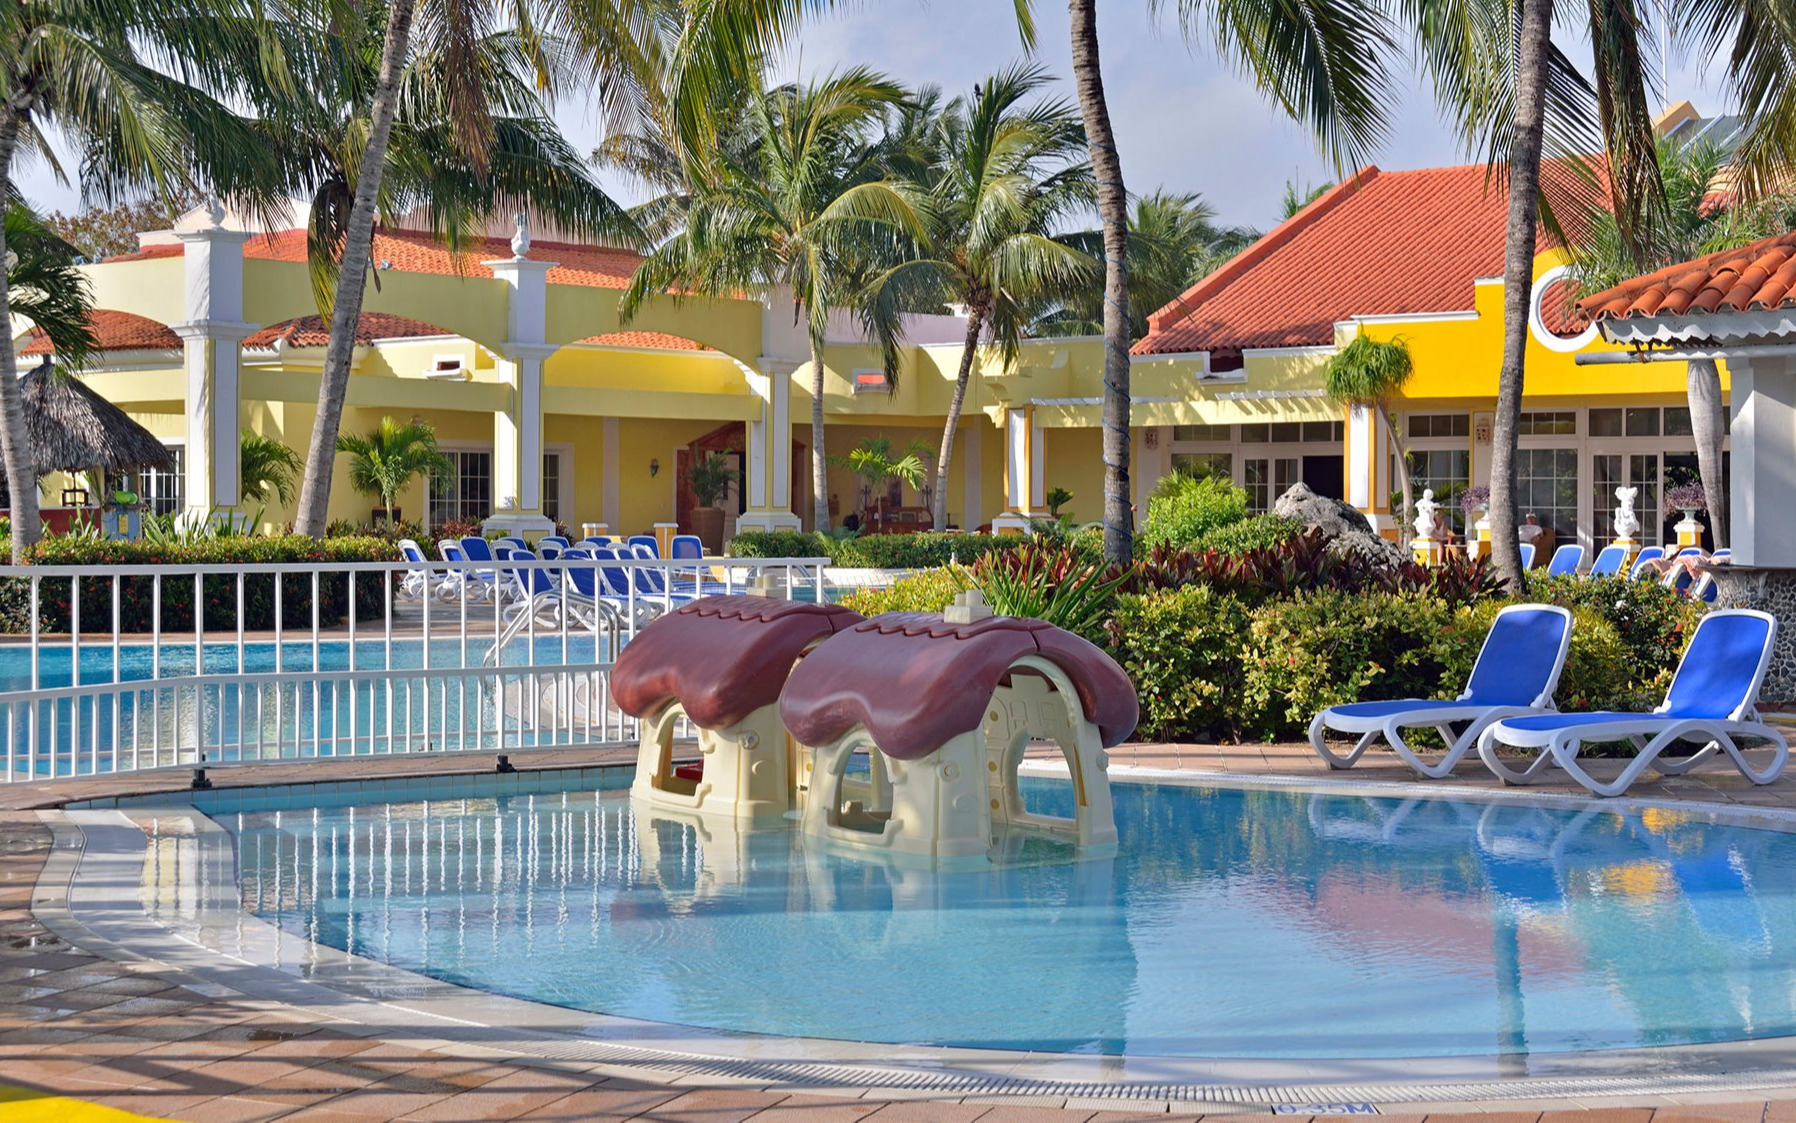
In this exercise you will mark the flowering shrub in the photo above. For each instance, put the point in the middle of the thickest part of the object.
(1474, 498)
(217, 592)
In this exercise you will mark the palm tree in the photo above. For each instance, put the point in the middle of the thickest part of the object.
(799, 202)
(997, 175)
(1369, 375)
(1322, 61)
(266, 466)
(130, 86)
(1298, 197)
(1174, 242)
(615, 52)
(44, 286)
(391, 457)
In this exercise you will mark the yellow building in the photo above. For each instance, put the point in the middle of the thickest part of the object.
(1418, 256)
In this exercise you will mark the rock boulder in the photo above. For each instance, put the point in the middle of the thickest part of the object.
(1345, 527)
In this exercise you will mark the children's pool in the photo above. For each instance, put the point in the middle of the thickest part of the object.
(1276, 924)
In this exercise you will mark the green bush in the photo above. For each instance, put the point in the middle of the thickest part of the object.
(1261, 532)
(1326, 647)
(1185, 510)
(1653, 622)
(218, 592)
(1598, 674)
(877, 551)
(929, 591)
(1182, 650)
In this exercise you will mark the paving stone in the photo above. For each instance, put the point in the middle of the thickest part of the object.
(614, 1099)
(713, 1105)
(799, 1108)
(230, 1109)
(926, 1111)
(508, 1097)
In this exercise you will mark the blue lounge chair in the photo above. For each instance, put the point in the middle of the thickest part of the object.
(1527, 555)
(637, 541)
(1712, 701)
(554, 540)
(687, 547)
(420, 582)
(600, 540)
(476, 549)
(1566, 560)
(1609, 561)
(1647, 554)
(1690, 552)
(1516, 673)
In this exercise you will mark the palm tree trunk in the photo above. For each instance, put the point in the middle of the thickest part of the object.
(975, 322)
(1407, 527)
(819, 461)
(1113, 209)
(15, 442)
(1518, 281)
(346, 313)
(1706, 425)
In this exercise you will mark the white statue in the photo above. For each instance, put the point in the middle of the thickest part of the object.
(520, 242)
(1425, 509)
(1626, 525)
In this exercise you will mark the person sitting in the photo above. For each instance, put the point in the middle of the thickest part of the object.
(1530, 529)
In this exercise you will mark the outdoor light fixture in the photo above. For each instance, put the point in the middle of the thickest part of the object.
(654, 468)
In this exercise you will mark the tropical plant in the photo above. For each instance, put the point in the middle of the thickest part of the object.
(387, 459)
(1296, 198)
(126, 85)
(1056, 498)
(710, 479)
(793, 199)
(1061, 586)
(1174, 242)
(266, 466)
(875, 461)
(1369, 374)
(447, 122)
(997, 175)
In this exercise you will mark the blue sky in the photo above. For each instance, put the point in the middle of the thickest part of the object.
(1184, 120)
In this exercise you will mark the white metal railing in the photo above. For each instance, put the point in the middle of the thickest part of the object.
(137, 667)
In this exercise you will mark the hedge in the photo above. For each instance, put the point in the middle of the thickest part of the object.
(876, 551)
(218, 592)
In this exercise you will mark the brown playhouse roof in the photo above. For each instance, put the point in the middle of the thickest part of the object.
(722, 658)
(73, 428)
(915, 680)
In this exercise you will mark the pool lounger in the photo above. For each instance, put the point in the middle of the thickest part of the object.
(1712, 701)
(1516, 673)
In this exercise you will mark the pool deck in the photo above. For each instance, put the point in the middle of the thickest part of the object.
(146, 1039)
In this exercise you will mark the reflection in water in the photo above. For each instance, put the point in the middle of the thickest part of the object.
(1230, 924)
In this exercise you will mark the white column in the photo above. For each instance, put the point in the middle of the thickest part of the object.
(1368, 457)
(1020, 471)
(518, 429)
(1763, 493)
(768, 475)
(211, 336)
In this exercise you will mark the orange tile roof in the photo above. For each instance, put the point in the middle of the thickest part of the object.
(114, 331)
(648, 340)
(1378, 243)
(1749, 279)
(414, 251)
(315, 331)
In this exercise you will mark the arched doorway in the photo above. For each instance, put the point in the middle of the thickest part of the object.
(731, 439)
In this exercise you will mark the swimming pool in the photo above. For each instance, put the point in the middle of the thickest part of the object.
(1272, 924)
(108, 729)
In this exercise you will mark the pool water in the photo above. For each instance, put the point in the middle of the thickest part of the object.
(1230, 924)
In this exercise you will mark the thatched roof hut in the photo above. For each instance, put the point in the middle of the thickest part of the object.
(74, 429)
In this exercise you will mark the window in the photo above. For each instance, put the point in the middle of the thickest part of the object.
(468, 495)
(1266, 480)
(1677, 421)
(1448, 471)
(1547, 487)
(1438, 424)
(161, 492)
(1184, 433)
(552, 486)
(1605, 423)
(1642, 423)
(1551, 424)
(1202, 465)
(872, 382)
(1324, 432)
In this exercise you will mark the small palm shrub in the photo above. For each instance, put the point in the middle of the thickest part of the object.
(1186, 509)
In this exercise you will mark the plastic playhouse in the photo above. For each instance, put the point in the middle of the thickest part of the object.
(941, 709)
(721, 662)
